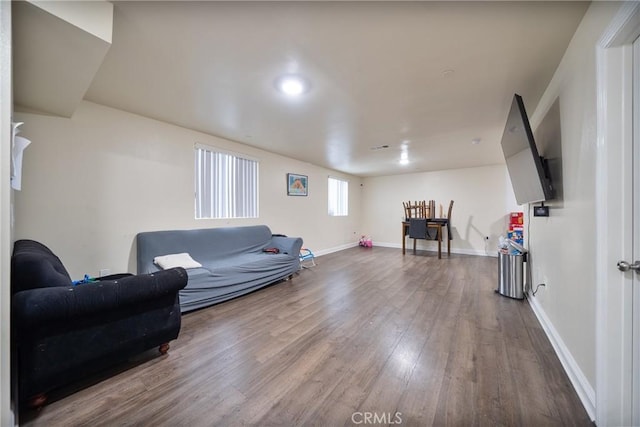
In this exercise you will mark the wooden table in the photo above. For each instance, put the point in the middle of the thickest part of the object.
(440, 224)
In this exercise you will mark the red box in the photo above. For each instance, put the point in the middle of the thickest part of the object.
(516, 218)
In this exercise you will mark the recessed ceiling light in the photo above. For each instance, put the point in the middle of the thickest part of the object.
(448, 73)
(292, 85)
(404, 157)
(475, 141)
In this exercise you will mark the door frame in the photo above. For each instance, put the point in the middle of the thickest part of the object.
(635, 287)
(614, 240)
(7, 417)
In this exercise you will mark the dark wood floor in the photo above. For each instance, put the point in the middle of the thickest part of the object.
(365, 333)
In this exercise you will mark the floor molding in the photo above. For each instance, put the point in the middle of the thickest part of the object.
(579, 381)
(334, 249)
(444, 249)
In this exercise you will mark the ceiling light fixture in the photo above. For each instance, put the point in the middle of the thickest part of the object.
(404, 157)
(292, 85)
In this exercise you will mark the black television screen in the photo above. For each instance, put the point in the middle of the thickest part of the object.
(526, 169)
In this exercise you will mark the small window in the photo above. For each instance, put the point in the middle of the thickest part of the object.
(226, 185)
(338, 197)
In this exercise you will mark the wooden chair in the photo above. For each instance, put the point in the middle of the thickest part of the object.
(439, 228)
(407, 210)
(417, 209)
(449, 237)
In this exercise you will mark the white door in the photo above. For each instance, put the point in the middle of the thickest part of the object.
(617, 394)
(635, 341)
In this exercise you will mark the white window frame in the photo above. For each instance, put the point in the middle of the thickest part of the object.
(230, 191)
(338, 198)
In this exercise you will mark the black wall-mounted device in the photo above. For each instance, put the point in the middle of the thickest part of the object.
(541, 210)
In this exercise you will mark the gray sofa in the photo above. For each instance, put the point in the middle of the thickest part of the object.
(232, 258)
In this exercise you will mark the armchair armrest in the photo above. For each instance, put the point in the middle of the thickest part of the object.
(42, 305)
(286, 245)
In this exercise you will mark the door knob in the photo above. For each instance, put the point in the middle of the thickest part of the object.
(625, 266)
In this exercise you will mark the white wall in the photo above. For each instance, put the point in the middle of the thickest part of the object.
(563, 246)
(482, 196)
(91, 182)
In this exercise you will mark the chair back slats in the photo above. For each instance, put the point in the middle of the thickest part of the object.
(419, 209)
(415, 209)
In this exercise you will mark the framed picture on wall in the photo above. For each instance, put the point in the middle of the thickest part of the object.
(297, 185)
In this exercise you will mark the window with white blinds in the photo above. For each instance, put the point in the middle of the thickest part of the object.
(226, 185)
(338, 197)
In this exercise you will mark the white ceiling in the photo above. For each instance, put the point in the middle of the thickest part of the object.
(378, 73)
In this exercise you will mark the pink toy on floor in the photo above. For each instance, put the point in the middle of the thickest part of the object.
(365, 242)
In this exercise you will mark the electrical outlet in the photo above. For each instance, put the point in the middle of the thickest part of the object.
(104, 272)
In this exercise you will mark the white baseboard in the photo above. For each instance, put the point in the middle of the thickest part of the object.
(579, 381)
(335, 249)
(444, 248)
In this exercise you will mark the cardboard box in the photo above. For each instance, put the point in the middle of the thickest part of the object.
(516, 235)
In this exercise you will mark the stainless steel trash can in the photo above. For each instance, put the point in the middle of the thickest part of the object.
(510, 275)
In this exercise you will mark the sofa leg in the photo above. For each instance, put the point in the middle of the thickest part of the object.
(164, 348)
(37, 401)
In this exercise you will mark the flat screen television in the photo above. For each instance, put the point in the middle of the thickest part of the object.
(531, 183)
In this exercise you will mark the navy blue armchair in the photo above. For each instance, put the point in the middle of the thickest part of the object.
(62, 333)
